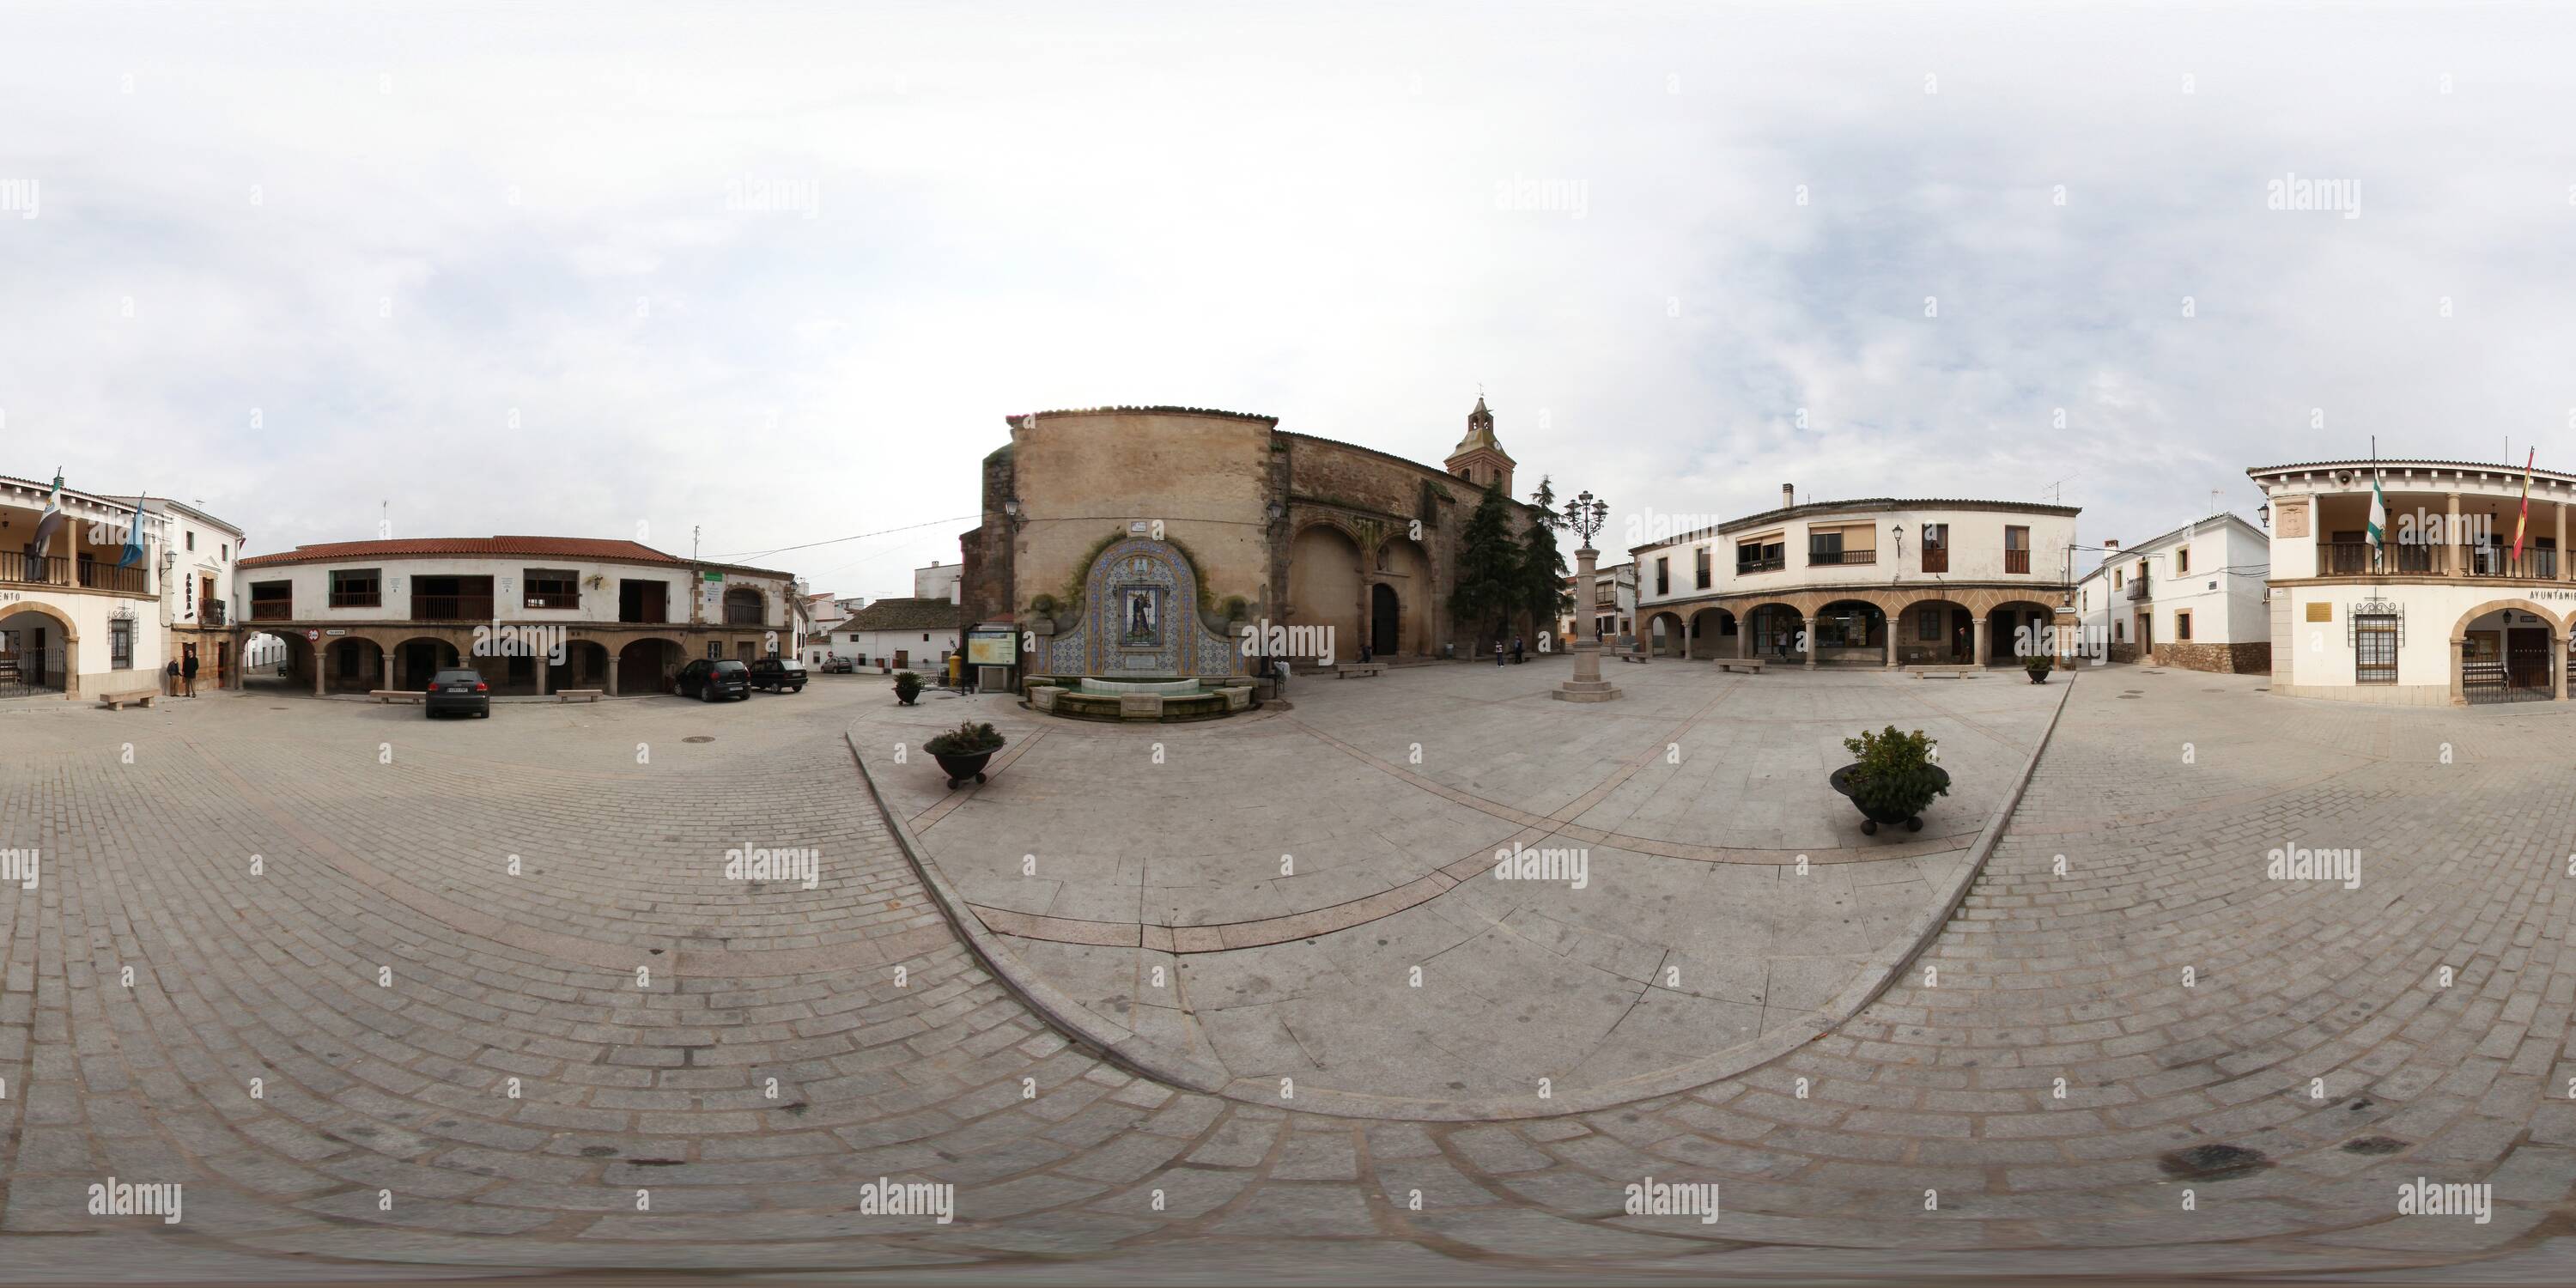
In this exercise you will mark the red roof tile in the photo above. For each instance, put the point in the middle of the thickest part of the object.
(598, 548)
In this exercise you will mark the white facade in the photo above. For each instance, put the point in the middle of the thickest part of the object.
(938, 581)
(1877, 581)
(73, 620)
(2200, 584)
(687, 596)
(2443, 609)
(923, 651)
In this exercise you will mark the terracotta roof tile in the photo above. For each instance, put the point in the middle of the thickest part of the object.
(599, 548)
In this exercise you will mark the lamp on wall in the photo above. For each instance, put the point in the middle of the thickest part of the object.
(2264, 512)
(1277, 512)
(1011, 506)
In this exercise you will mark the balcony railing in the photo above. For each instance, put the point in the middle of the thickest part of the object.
(17, 567)
(1816, 557)
(210, 612)
(1936, 559)
(451, 608)
(2016, 561)
(1743, 566)
(2353, 559)
(2136, 589)
(106, 576)
(272, 610)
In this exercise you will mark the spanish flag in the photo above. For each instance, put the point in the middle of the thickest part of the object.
(2525, 518)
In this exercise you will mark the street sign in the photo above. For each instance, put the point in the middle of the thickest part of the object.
(313, 635)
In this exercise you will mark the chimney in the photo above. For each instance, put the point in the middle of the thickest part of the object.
(1788, 495)
(2110, 543)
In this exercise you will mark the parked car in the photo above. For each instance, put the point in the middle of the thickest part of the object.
(777, 674)
(712, 680)
(457, 689)
(836, 666)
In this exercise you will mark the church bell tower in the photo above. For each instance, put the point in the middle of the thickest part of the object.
(1478, 458)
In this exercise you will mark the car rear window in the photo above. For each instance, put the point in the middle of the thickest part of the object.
(731, 666)
(457, 677)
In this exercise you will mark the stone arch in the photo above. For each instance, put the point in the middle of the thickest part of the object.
(585, 666)
(1773, 629)
(745, 606)
(1404, 564)
(1933, 630)
(1850, 630)
(1713, 632)
(411, 660)
(646, 664)
(2006, 618)
(2518, 677)
(1661, 635)
(355, 664)
(59, 622)
(1327, 583)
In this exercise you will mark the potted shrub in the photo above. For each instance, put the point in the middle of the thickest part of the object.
(2039, 665)
(1892, 779)
(962, 751)
(907, 686)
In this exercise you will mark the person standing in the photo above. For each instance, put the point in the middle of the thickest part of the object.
(188, 672)
(172, 672)
(1498, 650)
(1516, 650)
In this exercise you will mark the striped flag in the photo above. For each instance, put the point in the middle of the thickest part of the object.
(2524, 519)
(50, 521)
(2378, 512)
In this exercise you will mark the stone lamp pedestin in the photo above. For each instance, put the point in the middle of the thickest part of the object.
(1587, 684)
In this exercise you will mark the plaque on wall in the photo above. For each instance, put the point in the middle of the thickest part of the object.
(2293, 517)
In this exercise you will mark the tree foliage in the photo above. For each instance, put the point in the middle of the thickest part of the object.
(1490, 583)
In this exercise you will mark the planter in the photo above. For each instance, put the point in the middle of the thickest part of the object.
(961, 768)
(1872, 818)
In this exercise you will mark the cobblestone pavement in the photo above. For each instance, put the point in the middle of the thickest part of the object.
(1312, 895)
(387, 983)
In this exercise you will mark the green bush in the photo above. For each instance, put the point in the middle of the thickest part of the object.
(2038, 664)
(968, 739)
(907, 685)
(1893, 772)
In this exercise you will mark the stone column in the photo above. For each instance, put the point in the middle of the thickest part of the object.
(319, 647)
(2457, 551)
(1977, 650)
(1743, 637)
(1894, 620)
(611, 682)
(2560, 558)
(541, 675)
(1807, 640)
(1587, 684)
(2459, 694)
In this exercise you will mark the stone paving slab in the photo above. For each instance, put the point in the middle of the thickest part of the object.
(2316, 1026)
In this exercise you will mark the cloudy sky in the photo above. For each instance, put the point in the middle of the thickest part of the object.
(777, 272)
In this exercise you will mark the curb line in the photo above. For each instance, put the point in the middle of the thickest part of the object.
(1151, 1059)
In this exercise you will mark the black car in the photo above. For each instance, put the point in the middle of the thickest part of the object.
(710, 680)
(459, 689)
(777, 674)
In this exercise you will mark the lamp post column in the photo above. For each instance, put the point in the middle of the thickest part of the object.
(1586, 514)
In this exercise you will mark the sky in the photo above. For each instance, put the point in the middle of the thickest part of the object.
(755, 276)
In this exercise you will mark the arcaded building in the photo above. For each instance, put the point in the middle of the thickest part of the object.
(1140, 540)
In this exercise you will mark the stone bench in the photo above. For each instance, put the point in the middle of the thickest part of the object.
(397, 695)
(1944, 672)
(584, 695)
(1361, 669)
(1631, 655)
(1752, 664)
(123, 698)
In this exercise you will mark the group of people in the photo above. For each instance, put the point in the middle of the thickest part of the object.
(183, 676)
(1517, 659)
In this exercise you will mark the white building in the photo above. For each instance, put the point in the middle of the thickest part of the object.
(2442, 608)
(1874, 582)
(2192, 598)
(937, 581)
(901, 635)
(1613, 615)
(197, 564)
(75, 617)
(361, 615)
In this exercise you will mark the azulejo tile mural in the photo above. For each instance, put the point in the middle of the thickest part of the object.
(1140, 616)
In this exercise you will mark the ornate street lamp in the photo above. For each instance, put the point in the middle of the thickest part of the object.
(1585, 514)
